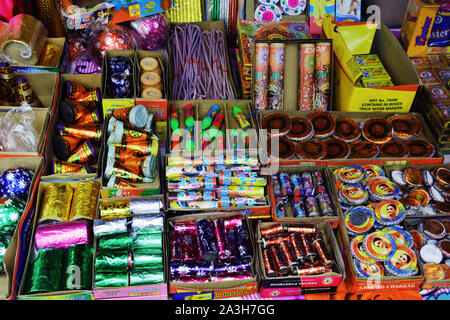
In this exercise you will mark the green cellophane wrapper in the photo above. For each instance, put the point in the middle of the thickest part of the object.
(148, 258)
(114, 262)
(11, 209)
(120, 241)
(46, 272)
(77, 272)
(148, 240)
(111, 279)
(3, 246)
(148, 276)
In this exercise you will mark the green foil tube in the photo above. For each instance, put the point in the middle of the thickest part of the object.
(110, 279)
(146, 277)
(144, 259)
(45, 275)
(77, 270)
(115, 262)
(121, 242)
(148, 240)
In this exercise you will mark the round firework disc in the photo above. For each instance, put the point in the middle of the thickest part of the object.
(444, 246)
(382, 189)
(433, 271)
(359, 219)
(434, 229)
(428, 178)
(418, 126)
(312, 149)
(413, 177)
(357, 249)
(363, 149)
(419, 148)
(430, 253)
(418, 238)
(435, 194)
(377, 130)
(394, 149)
(421, 196)
(293, 7)
(401, 236)
(268, 13)
(323, 123)
(379, 245)
(403, 262)
(286, 148)
(336, 149)
(373, 170)
(410, 203)
(301, 129)
(389, 212)
(372, 270)
(442, 207)
(351, 174)
(397, 177)
(347, 129)
(268, 2)
(403, 127)
(353, 193)
(276, 121)
(443, 175)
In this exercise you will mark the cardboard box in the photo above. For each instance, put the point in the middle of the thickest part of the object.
(255, 212)
(45, 86)
(205, 26)
(416, 28)
(317, 12)
(40, 123)
(349, 96)
(358, 117)
(89, 81)
(9, 279)
(201, 109)
(291, 79)
(108, 102)
(213, 290)
(251, 5)
(329, 188)
(156, 291)
(158, 106)
(297, 285)
(61, 58)
(141, 189)
(57, 295)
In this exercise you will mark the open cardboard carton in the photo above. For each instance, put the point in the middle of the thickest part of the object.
(201, 109)
(140, 189)
(297, 285)
(359, 117)
(89, 81)
(291, 83)
(329, 188)
(156, 291)
(45, 181)
(205, 26)
(213, 290)
(254, 212)
(40, 123)
(58, 62)
(109, 103)
(46, 88)
(351, 97)
(11, 257)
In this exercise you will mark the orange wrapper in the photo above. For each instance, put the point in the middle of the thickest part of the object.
(63, 146)
(77, 92)
(116, 182)
(84, 153)
(66, 167)
(138, 148)
(126, 173)
(93, 131)
(89, 118)
(72, 111)
(125, 134)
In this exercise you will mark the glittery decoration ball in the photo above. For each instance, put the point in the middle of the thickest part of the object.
(11, 209)
(15, 183)
(152, 30)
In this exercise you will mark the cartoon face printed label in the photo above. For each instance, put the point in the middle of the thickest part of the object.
(380, 245)
(383, 188)
(369, 270)
(359, 219)
(403, 262)
(351, 174)
(357, 249)
(401, 237)
(389, 212)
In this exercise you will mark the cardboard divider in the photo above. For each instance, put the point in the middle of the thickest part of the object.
(110, 103)
(291, 83)
(359, 117)
(296, 285)
(220, 289)
(156, 291)
(40, 123)
(140, 189)
(45, 181)
(9, 259)
(89, 81)
(329, 186)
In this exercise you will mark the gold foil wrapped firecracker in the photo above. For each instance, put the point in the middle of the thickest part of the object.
(8, 85)
(56, 202)
(115, 209)
(85, 200)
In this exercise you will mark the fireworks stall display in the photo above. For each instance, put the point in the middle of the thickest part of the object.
(214, 150)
